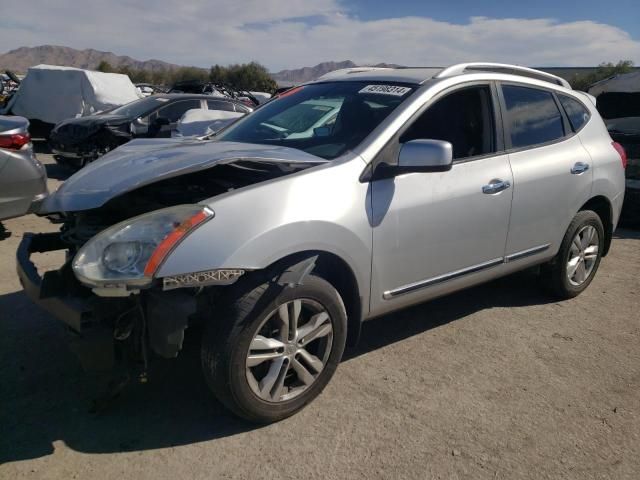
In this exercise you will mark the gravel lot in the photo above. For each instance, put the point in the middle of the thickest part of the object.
(499, 381)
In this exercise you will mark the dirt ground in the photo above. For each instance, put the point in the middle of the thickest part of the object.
(499, 381)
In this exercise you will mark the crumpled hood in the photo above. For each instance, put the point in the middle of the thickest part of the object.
(102, 119)
(84, 126)
(145, 161)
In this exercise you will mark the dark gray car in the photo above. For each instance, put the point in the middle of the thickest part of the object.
(78, 141)
(23, 179)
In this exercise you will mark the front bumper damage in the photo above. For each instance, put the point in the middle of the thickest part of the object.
(61, 295)
(101, 327)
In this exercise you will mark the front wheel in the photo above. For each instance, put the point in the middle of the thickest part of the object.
(575, 265)
(275, 349)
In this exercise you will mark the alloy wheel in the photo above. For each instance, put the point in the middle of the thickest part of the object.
(583, 254)
(289, 350)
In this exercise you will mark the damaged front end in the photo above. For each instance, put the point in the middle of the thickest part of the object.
(79, 141)
(105, 329)
(119, 219)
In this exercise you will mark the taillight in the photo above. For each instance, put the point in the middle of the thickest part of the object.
(14, 141)
(623, 155)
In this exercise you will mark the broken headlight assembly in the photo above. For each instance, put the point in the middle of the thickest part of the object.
(128, 254)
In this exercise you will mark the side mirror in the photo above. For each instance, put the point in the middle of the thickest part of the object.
(322, 131)
(425, 156)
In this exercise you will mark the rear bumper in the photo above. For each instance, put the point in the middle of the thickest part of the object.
(23, 183)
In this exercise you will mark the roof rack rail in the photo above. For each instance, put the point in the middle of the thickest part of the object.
(503, 68)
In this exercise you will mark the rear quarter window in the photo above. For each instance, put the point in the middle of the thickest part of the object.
(175, 110)
(577, 113)
(533, 117)
(220, 105)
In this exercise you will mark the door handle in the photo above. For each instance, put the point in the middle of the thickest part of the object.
(579, 168)
(495, 186)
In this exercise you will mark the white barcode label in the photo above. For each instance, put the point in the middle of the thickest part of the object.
(394, 90)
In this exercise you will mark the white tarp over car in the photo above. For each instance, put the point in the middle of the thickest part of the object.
(624, 83)
(200, 122)
(52, 94)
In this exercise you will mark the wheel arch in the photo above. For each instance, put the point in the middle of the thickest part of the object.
(338, 273)
(603, 208)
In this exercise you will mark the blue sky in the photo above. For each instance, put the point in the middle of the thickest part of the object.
(624, 14)
(294, 33)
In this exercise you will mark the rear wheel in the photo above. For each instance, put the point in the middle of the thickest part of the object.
(575, 265)
(274, 350)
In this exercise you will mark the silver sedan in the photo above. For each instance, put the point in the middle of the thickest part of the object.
(23, 179)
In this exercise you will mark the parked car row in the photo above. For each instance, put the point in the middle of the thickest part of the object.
(338, 201)
(50, 94)
(78, 141)
(618, 101)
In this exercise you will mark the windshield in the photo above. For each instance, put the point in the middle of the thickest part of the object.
(138, 108)
(324, 119)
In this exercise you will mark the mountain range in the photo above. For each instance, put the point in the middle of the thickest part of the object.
(20, 59)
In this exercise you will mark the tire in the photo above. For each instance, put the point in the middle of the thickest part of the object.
(557, 271)
(248, 321)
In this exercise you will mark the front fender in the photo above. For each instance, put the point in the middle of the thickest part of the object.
(322, 209)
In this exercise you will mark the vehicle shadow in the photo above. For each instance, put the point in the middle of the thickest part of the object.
(57, 171)
(627, 233)
(4, 233)
(46, 396)
(519, 289)
(41, 145)
(54, 170)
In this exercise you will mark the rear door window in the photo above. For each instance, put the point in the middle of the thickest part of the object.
(532, 116)
(175, 110)
(220, 105)
(577, 113)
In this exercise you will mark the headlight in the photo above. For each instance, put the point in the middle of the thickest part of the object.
(129, 253)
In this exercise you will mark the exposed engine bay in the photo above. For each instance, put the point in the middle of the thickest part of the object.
(78, 227)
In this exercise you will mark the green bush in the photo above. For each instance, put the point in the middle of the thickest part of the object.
(605, 70)
(249, 76)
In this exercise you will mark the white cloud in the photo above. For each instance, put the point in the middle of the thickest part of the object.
(292, 33)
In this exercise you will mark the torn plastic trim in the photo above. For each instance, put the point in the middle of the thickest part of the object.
(295, 274)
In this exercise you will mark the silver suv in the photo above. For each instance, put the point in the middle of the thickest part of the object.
(285, 231)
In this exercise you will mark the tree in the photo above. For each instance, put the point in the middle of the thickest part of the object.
(604, 70)
(105, 66)
(218, 74)
(247, 76)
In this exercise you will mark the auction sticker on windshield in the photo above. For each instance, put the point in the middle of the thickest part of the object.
(394, 90)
